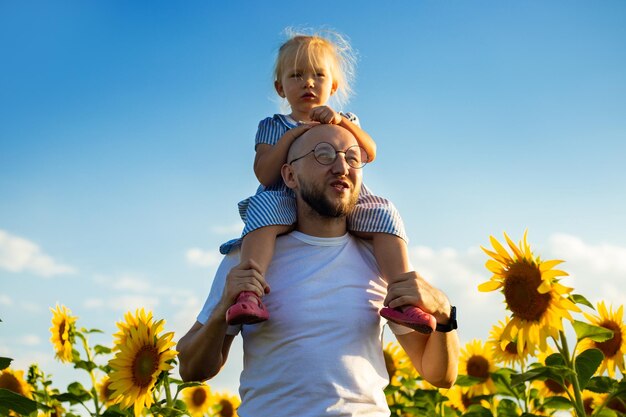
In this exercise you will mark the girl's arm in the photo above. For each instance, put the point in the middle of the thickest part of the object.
(325, 114)
(269, 159)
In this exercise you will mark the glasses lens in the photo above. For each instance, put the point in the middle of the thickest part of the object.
(324, 153)
(356, 156)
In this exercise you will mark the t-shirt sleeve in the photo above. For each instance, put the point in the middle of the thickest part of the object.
(269, 131)
(217, 288)
(352, 117)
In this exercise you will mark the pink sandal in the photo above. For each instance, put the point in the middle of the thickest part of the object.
(411, 316)
(248, 309)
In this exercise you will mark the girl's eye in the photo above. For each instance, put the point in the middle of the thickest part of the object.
(296, 75)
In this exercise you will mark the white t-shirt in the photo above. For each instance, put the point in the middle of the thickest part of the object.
(320, 352)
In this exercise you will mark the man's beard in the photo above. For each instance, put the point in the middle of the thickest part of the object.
(315, 197)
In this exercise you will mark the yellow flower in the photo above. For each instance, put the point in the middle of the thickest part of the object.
(460, 398)
(63, 330)
(506, 351)
(225, 404)
(105, 392)
(139, 360)
(613, 349)
(131, 322)
(532, 293)
(476, 361)
(591, 401)
(14, 381)
(198, 399)
(398, 364)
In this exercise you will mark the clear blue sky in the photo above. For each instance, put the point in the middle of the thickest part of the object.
(127, 133)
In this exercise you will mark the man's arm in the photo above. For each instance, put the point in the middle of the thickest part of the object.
(435, 356)
(203, 350)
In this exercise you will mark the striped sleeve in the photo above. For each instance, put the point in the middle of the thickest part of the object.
(352, 117)
(269, 131)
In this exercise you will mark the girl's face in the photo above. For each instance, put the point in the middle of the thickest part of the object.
(306, 86)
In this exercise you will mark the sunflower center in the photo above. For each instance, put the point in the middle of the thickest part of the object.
(611, 347)
(227, 409)
(588, 404)
(555, 387)
(389, 364)
(520, 291)
(511, 348)
(62, 331)
(146, 362)
(199, 397)
(478, 367)
(10, 382)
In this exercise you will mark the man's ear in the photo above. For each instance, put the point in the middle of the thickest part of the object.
(289, 176)
(279, 88)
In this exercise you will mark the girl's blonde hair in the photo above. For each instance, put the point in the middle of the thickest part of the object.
(317, 47)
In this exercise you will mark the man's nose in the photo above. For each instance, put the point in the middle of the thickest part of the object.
(340, 164)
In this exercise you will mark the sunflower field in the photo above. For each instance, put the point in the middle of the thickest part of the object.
(527, 366)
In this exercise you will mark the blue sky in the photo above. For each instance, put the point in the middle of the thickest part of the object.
(127, 128)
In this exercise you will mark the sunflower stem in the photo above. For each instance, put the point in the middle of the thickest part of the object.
(94, 391)
(168, 393)
(569, 361)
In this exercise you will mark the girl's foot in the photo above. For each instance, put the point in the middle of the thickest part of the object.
(248, 309)
(411, 316)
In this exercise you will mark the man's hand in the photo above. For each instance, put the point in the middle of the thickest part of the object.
(411, 289)
(244, 277)
(326, 115)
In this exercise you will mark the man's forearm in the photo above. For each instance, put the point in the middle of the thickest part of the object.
(204, 349)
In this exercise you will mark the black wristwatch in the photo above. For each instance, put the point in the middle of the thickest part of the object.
(452, 324)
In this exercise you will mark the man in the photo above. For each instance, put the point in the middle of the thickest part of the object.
(320, 353)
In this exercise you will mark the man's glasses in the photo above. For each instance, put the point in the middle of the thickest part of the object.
(326, 154)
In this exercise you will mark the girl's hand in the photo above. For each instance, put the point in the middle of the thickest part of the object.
(326, 115)
(300, 129)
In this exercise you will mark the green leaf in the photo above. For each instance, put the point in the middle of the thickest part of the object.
(557, 403)
(556, 359)
(596, 333)
(467, 381)
(601, 384)
(184, 385)
(477, 411)
(18, 403)
(507, 408)
(579, 299)
(587, 364)
(605, 412)
(5, 363)
(101, 350)
(86, 365)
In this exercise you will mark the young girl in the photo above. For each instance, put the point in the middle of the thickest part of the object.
(309, 70)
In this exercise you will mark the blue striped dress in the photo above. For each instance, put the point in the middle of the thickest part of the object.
(276, 205)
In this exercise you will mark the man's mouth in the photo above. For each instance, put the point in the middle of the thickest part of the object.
(340, 185)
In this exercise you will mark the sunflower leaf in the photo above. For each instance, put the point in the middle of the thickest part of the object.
(557, 403)
(596, 333)
(580, 299)
(18, 403)
(475, 410)
(586, 365)
(601, 384)
(605, 412)
(86, 365)
(5, 363)
(507, 408)
(467, 381)
(101, 350)
(184, 385)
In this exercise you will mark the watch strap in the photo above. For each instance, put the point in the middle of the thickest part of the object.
(452, 324)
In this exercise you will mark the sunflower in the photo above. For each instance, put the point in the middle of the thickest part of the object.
(460, 398)
(477, 361)
(225, 405)
(613, 349)
(592, 401)
(506, 351)
(398, 364)
(531, 291)
(63, 330)
(130, 322)
(14, 381)
(139, 360)
(198, 400)
(105, 392)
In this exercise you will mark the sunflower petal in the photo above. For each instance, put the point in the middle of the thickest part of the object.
(489, 286)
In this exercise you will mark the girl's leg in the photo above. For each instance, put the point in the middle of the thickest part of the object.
(258, 245)
(392, 256)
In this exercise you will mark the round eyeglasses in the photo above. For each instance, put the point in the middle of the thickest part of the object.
(326, 154)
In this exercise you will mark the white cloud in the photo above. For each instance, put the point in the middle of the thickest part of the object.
(124, 282)
(29, 340)
(93, 303)
(5, 300)
(198, 257)
(596, 271)
(133, 302)
(21, 255)
(229, 229)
